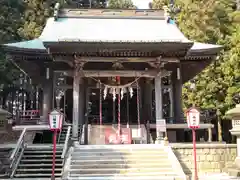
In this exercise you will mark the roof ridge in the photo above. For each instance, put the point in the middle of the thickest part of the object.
(109, 13)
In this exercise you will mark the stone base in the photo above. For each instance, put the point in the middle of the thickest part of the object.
(237, 162)
(233, 171)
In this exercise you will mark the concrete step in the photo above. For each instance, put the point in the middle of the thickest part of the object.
(114, 161)
(39, 161)
(115, 170)
(123, 152)
(37, 178)
(95, 165)
(39, 165)
(128, 178)
(129, 174)
(120, 150)
(128, 157)
(37, 175)
(122, 162)
(40, 156)
(41, 152)
(39, 170)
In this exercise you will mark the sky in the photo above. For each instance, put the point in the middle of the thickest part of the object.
(141, 4)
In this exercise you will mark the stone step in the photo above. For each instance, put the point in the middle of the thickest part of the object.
(121, 170)
(37, 175)
(95, 165)
(39, 170)
(41, 152)
(99, 153)
(128, 178)
(123, 146)
(112, 161)
(41, 156)
(39, 161)
(39, 165)
(123, 157)
(129, 174)
(97, 150)
(36, 178)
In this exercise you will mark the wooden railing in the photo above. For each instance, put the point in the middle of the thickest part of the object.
(28, 117)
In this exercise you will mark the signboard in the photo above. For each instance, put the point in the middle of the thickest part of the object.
(193, 118)
(136, 132)
(126, 136)
(161, 125)
(113, 137)
(55, 120)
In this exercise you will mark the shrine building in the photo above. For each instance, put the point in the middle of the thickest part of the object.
(117, 69)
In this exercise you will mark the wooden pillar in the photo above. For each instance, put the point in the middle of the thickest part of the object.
(158, 105)
(147, 106)
(177, 95)
(82, 100)
(87, 94)
(76, 92)
(171, 103)
(47, 94)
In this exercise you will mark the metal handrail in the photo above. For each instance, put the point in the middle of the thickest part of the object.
(19, 143)
(65, 148)
(18, 160)
(59, 135)
(82, 133)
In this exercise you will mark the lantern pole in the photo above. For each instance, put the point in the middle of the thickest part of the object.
(55, 121)
(194, 153)
(193, 120)
(54, 153)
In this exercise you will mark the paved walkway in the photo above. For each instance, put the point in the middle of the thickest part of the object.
(222, 176)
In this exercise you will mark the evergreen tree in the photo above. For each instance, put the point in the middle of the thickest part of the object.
(120, 4)
(35, 14)
(10, 21)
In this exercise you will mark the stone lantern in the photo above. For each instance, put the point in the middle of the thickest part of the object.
(234, 114)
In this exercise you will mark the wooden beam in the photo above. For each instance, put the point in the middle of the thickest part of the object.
(118, 59)
(121, 73)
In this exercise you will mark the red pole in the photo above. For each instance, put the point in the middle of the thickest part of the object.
(100, 104)
(54, 153)
(119, 110)
(194, 153)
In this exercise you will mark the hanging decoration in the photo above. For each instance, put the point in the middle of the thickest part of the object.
(114, 94)
(131, 91)
(105, 93)
(117, 90)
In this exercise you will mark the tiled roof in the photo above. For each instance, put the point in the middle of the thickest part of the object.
(197, 49)
(111, 30)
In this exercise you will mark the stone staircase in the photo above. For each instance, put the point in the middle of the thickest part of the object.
(63, 133)
(36, 162)
(139, 161)
(4, 162)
